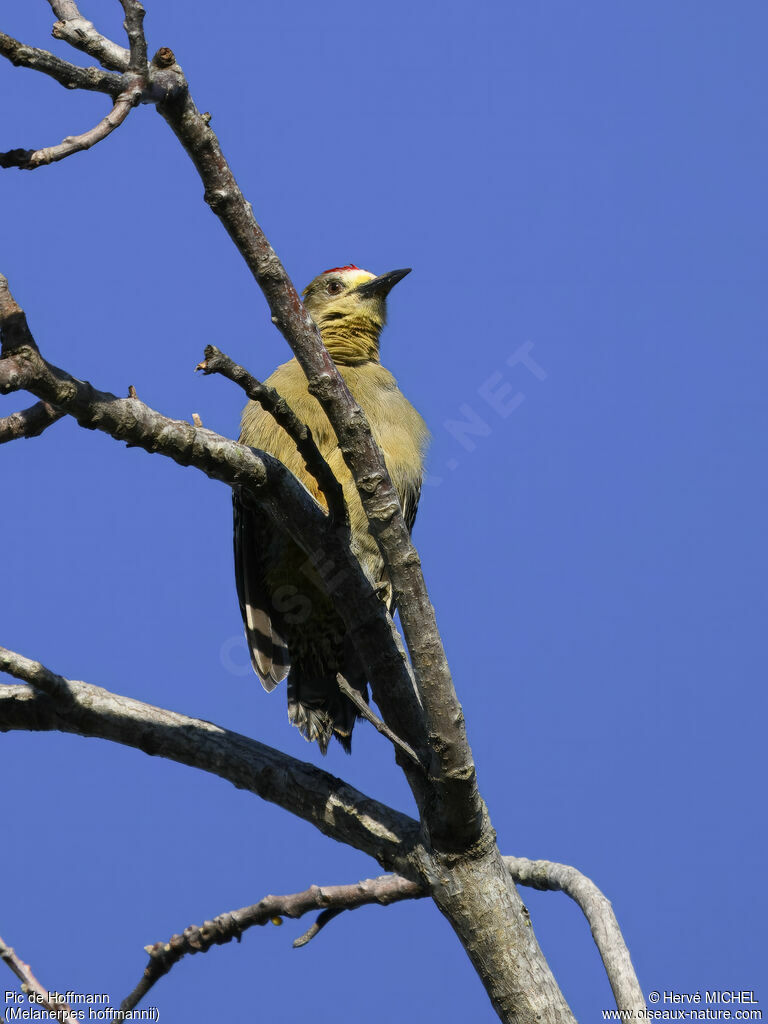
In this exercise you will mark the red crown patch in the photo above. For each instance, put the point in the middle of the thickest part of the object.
(336, 270)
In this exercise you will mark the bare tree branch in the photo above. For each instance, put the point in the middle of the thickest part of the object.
(32, 987)
(133, 88)
(29, 422)
(76, 30)
(69, 75)
(29, 160)
(134, 29)
(546, 874)
(331, 899)
(159, 80)
(273, 403)
(51, 702)
(129, 419)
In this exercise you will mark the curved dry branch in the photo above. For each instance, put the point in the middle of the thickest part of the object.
(333, 900)
(51, 702)
(30, 159)
(330, 899)
(546, 874)
(29, 422)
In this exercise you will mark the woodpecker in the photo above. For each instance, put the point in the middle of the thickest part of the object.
(290, 623)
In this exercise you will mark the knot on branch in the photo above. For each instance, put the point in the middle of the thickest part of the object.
(11, 378)
(58, 31)
(17, 368)
(320, 383)
(164, 58)
(216, 198)
(370, 484)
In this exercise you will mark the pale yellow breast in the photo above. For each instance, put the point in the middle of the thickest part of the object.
(398, 429)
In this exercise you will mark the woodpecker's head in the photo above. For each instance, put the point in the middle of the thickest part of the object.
(349, 306)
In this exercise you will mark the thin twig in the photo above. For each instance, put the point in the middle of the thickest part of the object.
(277, 407)
(331, 900)
(323, 918)
(359, 701)
(32, 987)
(547, 874)
(30, 159)
(29, 422)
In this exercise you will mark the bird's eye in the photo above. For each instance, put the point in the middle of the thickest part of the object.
(334, 287)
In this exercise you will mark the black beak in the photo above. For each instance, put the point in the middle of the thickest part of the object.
(383, 284)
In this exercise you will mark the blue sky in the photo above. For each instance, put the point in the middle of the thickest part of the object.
(585, 179)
